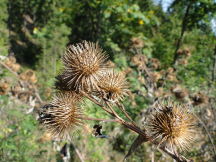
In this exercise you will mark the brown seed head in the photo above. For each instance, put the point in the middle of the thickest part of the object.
(154, 63)
(4, 87)
(170, 70)
(184, 52)
(199, 98)
(10, 60)
(179, 92)
(62, 115)
(137, 42)
(84, 64)
(172, 125)
(29, 75)
(182, 61)
(172, 77)
(112, 86)
(180, 52)
(139, 60)
(15, 67)
(155, 76)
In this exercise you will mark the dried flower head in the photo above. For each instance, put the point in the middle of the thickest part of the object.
(62, 115)
(155, 76)
(137, 42)
(171, 77)
(139, 60)
(172, 125)
(199, 98)
(179, 92)
(15, 67)
(154, 63)
(112, 86)
(84, 64)
(184, 52)
(182, 61)
(11, 63)
(10, 60)
(170, 70)
(29, 75)
(4, 87)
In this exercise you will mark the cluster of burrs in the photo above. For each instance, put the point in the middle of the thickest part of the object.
(86, 70)
(87, 73)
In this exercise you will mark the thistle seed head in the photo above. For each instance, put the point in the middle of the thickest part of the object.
(113, 86)
(62, 115)
(172, 125)
(84, 64)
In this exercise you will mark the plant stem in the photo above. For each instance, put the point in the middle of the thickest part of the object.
(99, 119)
(96, 102)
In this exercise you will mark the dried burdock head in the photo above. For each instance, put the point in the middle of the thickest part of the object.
(139, 60)
(199, 98)
(84, 64)
(179, 92)
(170, 70)
(4, 87)
(180, 51)
(182, 61)
(112, 86)
(29, 75)
(155, 76)
(62, 115)
(15, 67)
(154, 63)
(171, 77)
(10, 60)
(187, 51)
(11, 63)
(137, 42)
(172, 125)
(184, 52)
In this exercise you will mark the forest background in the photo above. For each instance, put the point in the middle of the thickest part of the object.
(178, 36)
